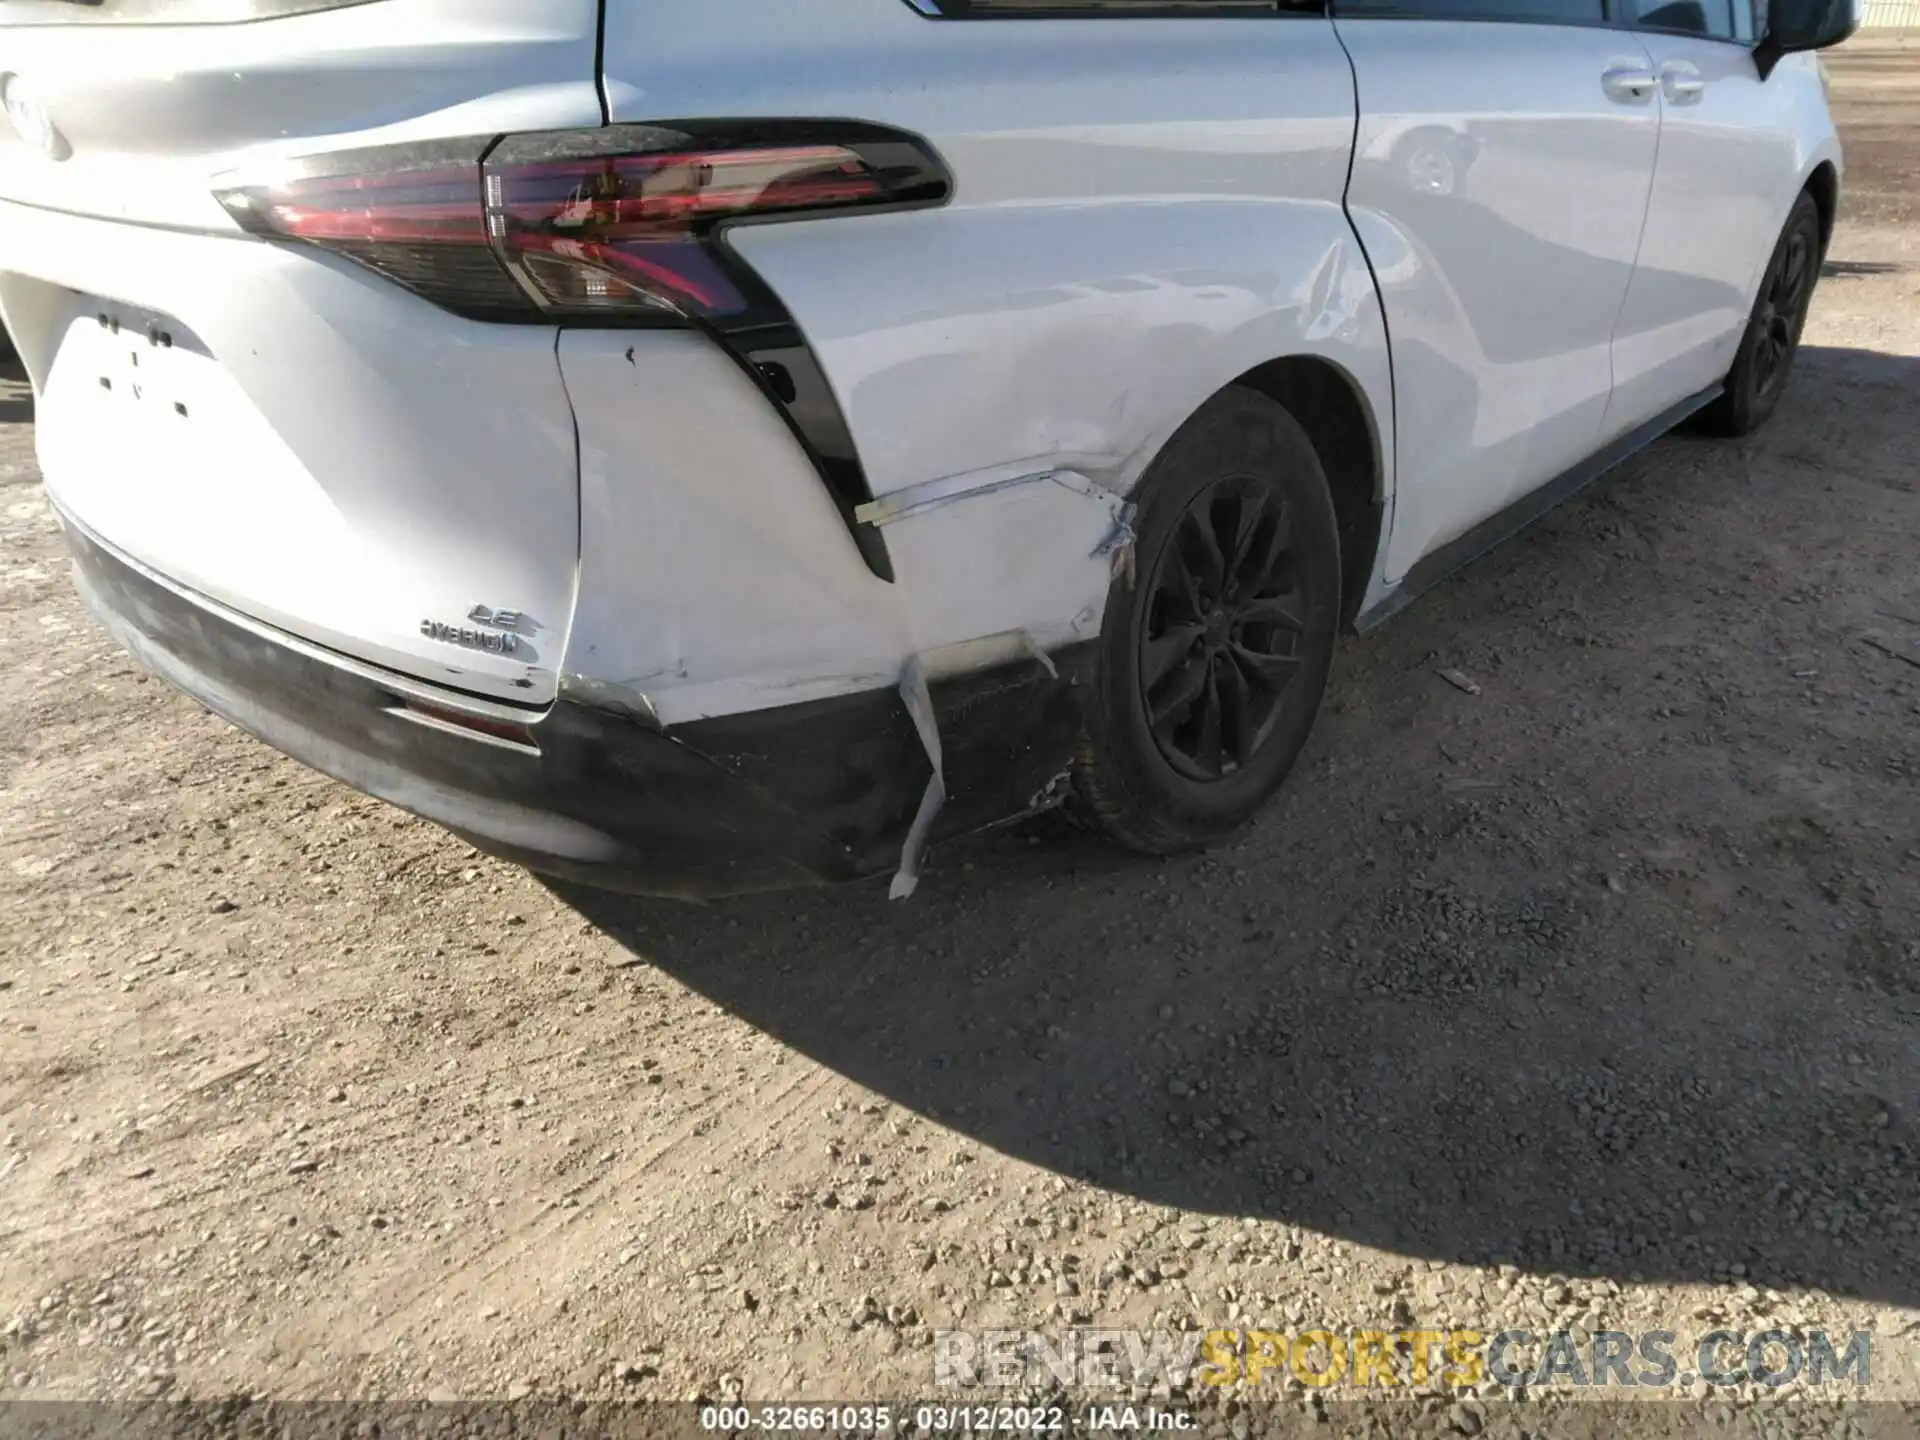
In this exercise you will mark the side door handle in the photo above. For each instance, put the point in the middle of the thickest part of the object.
(1681, 82)
(1629, 84)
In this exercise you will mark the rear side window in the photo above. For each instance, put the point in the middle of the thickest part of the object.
(1715, 19)
(158, 12)
(1522, 12)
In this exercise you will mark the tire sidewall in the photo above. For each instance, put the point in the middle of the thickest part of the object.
(1751, 407)
(1238, 433)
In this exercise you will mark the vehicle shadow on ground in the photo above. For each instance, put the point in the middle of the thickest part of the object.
(1502, 978)
(16, 391)
(1853, 269)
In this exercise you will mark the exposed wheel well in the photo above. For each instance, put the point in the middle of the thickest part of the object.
(1332, 411)
(1824, 186)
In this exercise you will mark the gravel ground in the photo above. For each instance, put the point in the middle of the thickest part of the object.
(1592, 998)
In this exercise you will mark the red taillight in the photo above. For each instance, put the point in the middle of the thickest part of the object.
(410, 206)
(612, 225)
(413, 214)
(627, 231)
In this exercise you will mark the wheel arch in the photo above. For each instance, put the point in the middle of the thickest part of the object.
(1823, 183)
(1332, 407)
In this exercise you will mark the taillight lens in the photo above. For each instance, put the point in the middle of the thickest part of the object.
(433, 207)
(616, 225)
(422, 224)
(600, 235)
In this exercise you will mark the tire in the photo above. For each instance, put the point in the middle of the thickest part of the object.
(1241, 631)
(1765, 359)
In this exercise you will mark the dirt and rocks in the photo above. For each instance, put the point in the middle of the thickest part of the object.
(1591, 999)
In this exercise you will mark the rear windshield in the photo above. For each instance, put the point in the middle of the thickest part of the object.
(157, 12)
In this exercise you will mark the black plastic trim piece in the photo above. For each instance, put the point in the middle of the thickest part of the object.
(1456, 554)
(600, 64)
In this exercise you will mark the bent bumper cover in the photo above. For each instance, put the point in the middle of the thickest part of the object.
(795, 795)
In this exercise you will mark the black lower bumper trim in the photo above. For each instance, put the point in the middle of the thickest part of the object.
(770, 799)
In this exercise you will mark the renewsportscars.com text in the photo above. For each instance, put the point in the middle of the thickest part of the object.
(1368, 1359)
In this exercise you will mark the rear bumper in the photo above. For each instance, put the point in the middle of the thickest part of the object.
(769, 799)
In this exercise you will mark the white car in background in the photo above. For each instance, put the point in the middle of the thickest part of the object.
(707, 445)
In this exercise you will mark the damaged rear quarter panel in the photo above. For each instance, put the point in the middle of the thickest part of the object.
(1073, 334)
(1121, 244)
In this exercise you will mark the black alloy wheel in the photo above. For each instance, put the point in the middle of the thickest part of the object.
(1215, 646)
(1225, 626)
(1782, 311)
(1762, 364)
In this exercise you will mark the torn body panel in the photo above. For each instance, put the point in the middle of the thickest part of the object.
(720, 584)
(717, 577)
(724, 610)
(1026, 558)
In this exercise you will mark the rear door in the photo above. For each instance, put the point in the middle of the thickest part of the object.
(1501, 171)
(267, 425)
(1730, 165)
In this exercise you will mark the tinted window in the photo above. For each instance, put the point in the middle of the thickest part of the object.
(1717, 19)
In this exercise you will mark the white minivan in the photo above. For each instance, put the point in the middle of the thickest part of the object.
(697, 446)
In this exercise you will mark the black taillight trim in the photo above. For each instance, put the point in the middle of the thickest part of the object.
(757, 329)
